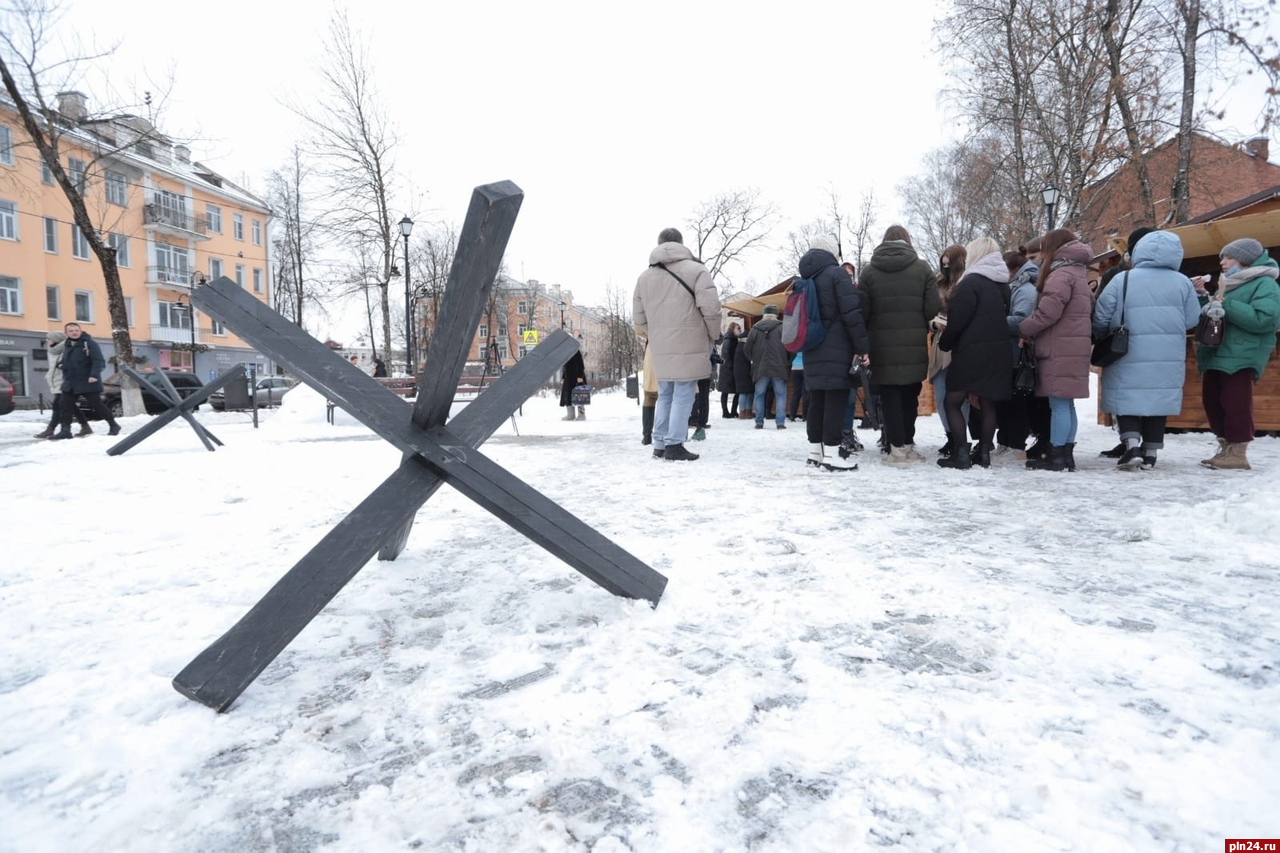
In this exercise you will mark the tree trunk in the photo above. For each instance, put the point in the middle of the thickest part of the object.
(1121, 95)
(1190, 12)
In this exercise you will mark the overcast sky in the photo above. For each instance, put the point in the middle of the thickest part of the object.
(616, 119)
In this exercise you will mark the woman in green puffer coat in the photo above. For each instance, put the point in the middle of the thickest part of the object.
(1248, 300)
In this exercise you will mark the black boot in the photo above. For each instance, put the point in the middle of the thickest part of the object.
(646, 424)
(1115, 452)
(677, 453)
(1055, 461)
(982, 457)
(1038, 450)
(959, 457)
(1069, 457)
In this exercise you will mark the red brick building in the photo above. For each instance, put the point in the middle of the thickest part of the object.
(1220, 175)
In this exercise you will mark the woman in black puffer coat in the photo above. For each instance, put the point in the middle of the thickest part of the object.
(742, 380)
(826, 366)
(726, 383)
(977, 336)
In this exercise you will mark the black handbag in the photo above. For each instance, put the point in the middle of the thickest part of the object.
(1209, 332)
(1114, 345)
(1024, 373)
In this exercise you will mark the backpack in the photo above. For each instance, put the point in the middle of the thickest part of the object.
(802, 328)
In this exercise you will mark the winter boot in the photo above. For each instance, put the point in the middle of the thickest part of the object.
(899, 456)
(960, 457)
(1115, 452)
(1222, 449)
(746, 415)
(646, 424)
(1233, 458)
(815, 455)
(582, 413)
(47, 432)
(61, 434)
(1069, 455)
(85, 429)
(836, 458)
(569, 415)
(699, 434)
(914, 455)
(677, 453)
(982, 458)
(1038, 450)
(1131, 458)
(1056, 460)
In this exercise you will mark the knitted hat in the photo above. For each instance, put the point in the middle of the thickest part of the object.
(771, 310)
(1246, 250)
(57, 337)
(827, 242)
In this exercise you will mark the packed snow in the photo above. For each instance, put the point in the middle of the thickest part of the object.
(919, 658)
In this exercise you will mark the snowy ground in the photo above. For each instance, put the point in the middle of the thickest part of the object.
(915, 659)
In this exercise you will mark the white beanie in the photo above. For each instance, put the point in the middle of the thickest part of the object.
(827, 243)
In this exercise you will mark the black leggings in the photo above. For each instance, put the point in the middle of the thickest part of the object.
(952, 403)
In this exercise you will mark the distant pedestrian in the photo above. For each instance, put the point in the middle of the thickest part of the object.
(379, 369)
(82, 366)
(56, 342)
(574, 374)
(768, 359)
(727, 384)
(676, 307)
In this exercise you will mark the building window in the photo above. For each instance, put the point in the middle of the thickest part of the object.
(51, 235)
(257, 280)
(502, 349)
(10, 295)
(522, 307)
(8, 220)
(217, 328)
(520, 330)
(46, 174)
(79, 243)
(84, 306)
(128, 310)
(6, 146)
(237, 226)
(484, 331)
(52, 303)
(484, 351)
(523, 350)
(172, 264)
(256, 227)
(179, 359)
(120, 243)
(215, 269)
(240, 274)
(76, 170)
(117, 189)
(213, 218)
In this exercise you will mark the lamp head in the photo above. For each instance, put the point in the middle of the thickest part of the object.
(1049, 194)
(406, 227)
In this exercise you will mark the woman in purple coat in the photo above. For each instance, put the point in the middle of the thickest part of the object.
(1061, 330)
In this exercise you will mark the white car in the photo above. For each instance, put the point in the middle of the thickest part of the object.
(269, 391)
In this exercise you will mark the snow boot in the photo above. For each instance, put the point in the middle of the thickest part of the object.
(646, 425)
(1056, 460)
(569, 415)
(677, 453)
(1233, 458)
(1069, 455)
(960, 458)
(1038, 450)
(1115, 452)
(815, 455)
(85, 429)
(1131, 458)
(47, 432)
(836, 458)
(61, 434)
(1222, 449)
(700, 434)
(982, 458)
(582, 413)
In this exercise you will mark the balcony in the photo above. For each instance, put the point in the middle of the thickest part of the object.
(174, 334)
(176, 223)
(171, 277)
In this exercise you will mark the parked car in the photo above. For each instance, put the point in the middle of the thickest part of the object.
(269, 391)
(6, 396)
(185, 384)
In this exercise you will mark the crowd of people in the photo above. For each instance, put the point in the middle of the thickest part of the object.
(966, 328)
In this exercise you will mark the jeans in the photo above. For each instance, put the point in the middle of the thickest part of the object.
(779, 397)
(1062, 421)
(746, 401)
(671, 415)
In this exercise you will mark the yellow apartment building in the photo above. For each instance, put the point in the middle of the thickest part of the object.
(175, 224)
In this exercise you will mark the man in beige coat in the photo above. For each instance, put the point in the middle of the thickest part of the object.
(676, 307)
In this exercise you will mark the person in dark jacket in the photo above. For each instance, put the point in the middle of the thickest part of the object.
(728, 387)
(742, 381)
(575, 374)
(899, 298)
(82, 365)
(826, 366)
(768, 359)
(56, 342)
(379, 369)
(977, 336)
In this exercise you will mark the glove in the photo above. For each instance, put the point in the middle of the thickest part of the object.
(1214, 310)
(938, 323)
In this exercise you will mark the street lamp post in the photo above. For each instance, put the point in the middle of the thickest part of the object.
(562, 307)
(406, 228)
(1050, 196)
(189, 311)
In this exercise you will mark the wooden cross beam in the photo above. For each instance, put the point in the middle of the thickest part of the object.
(434, 454)
(178, 408)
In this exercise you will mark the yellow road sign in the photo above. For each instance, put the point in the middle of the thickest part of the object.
(531, 337)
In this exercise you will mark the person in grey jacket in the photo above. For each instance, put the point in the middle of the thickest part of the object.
(1159, 305)
(676, 308)
(768, 359)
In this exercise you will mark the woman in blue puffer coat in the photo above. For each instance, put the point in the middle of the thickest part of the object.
(1158, 305)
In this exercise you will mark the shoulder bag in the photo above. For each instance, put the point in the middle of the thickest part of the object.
(1024, 373)
(1114, 345)
(1209, 332)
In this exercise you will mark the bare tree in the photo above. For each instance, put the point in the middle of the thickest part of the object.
(431, 258)
(355, 146)
(32, 64)
(294, 237)
(728, 227)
